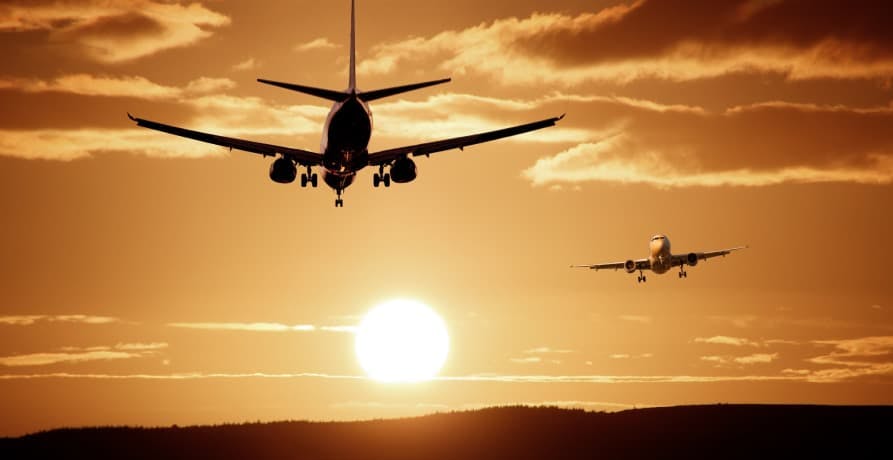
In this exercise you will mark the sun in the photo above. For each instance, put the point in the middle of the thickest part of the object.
(402, 341)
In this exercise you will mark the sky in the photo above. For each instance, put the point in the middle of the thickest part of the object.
(154, 280)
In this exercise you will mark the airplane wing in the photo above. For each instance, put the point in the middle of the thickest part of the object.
(641, 264)
(387, 156)
(299, 156)
(683, 258)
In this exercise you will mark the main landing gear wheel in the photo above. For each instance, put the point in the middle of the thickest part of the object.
(309, 178)
(381, 177)
(683, 273)
(642, 278)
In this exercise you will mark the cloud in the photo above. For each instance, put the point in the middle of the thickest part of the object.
(253, 327)
(547, 350)
(247, 64)
(29, 320)
(758, 358)
(122, 86)
(644, 319)
(316, 44)
(705, 39)
(84, 354)
(43, 359)
(114, 30)
(630, 356)
(151, 346)
(726, 340)
(527, 360)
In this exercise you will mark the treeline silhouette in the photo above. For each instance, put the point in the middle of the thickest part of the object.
(716, 431)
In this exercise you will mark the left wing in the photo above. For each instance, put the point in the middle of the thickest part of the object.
(299, 156)
(683, 258)
(640, 264)
(387, 156)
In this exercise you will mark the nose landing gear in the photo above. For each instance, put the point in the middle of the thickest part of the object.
(339, 203)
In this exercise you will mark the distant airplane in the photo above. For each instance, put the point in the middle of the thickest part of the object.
(661, 260)
(346, 137)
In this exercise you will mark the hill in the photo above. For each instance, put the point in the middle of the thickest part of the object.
(718, 431)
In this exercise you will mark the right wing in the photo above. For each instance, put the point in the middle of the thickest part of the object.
(641, 264)
(302, 157)
(387, 156)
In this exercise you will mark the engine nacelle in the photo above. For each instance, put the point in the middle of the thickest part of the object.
(403, 170)
(691, 259)
(283, 171)
(630, 266)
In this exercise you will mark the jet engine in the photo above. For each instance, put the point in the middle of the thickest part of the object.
(691, 259)
(403, 170)
(283, 171)
(630, 266)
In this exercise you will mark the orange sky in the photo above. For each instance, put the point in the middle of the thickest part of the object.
(147, 279)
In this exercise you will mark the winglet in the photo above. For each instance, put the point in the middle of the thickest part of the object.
(561, 117)
(131, 117)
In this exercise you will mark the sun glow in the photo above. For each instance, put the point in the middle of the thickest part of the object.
(402, 341)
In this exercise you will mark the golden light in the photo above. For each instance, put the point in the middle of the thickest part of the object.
(402, 341)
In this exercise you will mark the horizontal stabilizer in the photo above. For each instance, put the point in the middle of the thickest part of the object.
(380, 93)
(336, 96)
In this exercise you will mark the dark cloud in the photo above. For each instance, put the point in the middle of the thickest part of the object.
(654, 28)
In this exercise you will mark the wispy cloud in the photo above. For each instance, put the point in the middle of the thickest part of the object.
(43, 359)
(710, 39)
(114, 31)
(117, 86)
(84, 354)
(321, 43)
(757, 358)
(547, 350)
(29, 320)
(247, 64)
(253, 327)
(527, 360)
(726, 340)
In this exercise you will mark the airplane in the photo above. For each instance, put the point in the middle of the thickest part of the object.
(661, 260)
(346, 135)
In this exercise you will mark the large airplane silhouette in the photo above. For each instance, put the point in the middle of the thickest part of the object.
(346, 137)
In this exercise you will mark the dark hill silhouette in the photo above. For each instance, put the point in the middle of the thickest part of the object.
(718, 431)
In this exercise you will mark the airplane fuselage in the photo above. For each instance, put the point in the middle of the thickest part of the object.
(345, 142)
(660, 257)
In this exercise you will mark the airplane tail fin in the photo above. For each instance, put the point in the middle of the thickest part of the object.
(352, 82)
(339, 96)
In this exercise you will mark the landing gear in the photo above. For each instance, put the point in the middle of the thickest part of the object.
(339, 203)
(381, 177)
(642, 278)
(682, 272)
(309, 177)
